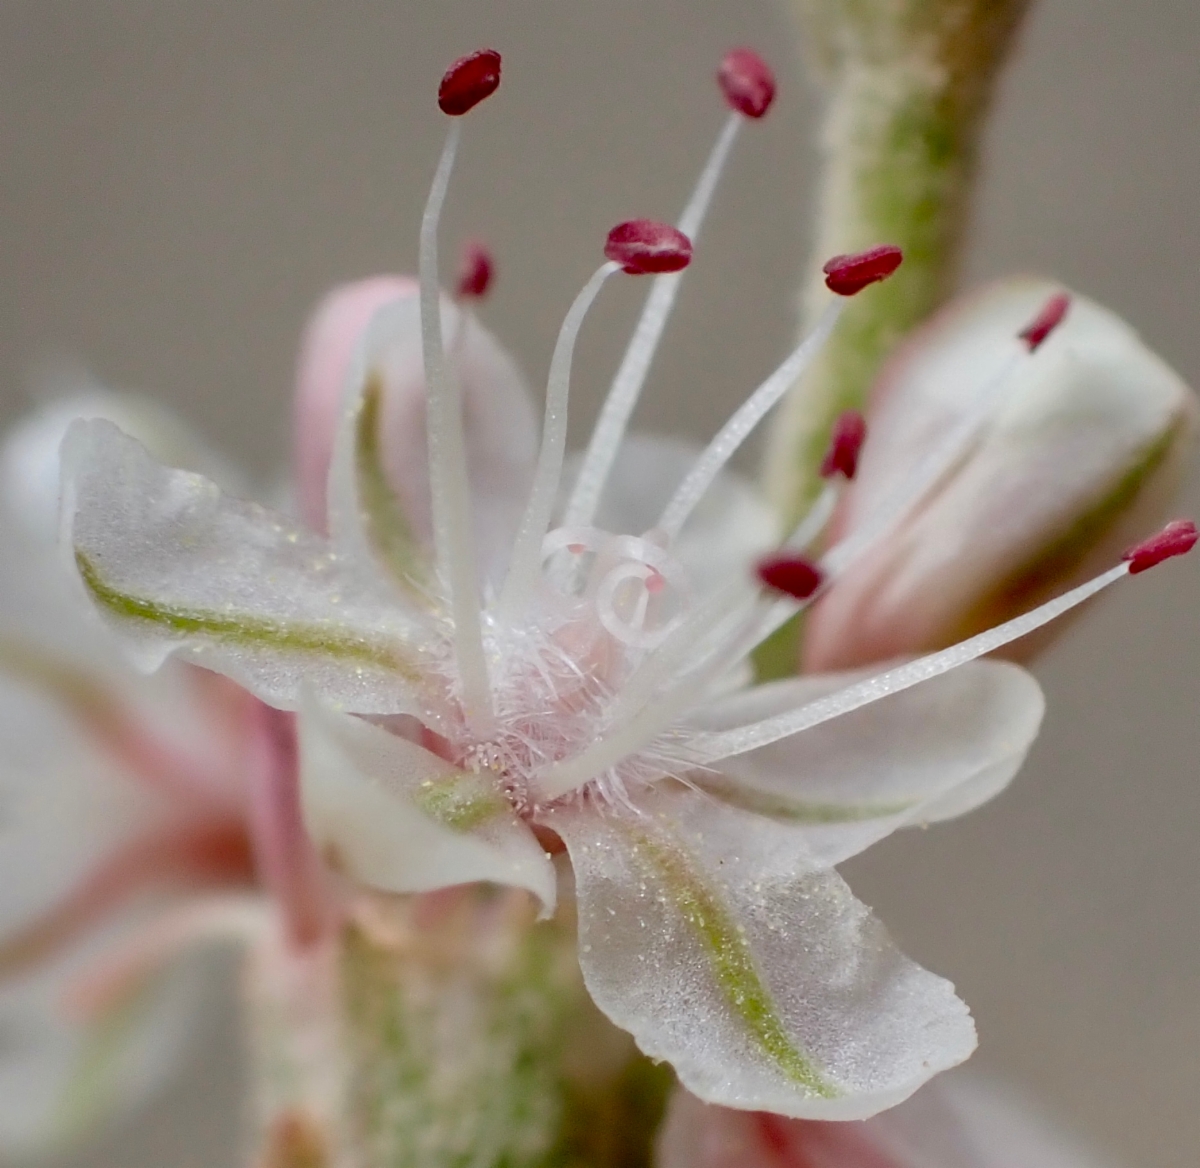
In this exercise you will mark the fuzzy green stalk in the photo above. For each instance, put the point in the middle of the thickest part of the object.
(908, 84)
(473, 1044)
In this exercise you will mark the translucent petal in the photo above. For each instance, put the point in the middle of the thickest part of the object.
(923, 754)
(712, 937)
(180, 568)
(395, 816)
(957, 1121)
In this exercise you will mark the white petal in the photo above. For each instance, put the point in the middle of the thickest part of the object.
(501, 431)
(29, 457)
(730, 528)
(957, 1121)
(59, 1078)
(924, 754)
(395, 816)
(180, 568)
(709, 935)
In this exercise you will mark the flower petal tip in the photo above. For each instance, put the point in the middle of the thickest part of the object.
(747, 82)
(469, 81)
(646, 247)
(792, 575)
(1176, 539)
(849, 274)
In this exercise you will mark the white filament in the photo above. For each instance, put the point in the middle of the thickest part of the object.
(813, 523)
(631, 374)
(449, 487)
(752, 411)
(713, 746)
(525, 564)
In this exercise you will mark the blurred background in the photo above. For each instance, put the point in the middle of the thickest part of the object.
(180, 182)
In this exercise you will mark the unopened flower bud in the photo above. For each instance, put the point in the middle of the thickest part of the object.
(1076, 459)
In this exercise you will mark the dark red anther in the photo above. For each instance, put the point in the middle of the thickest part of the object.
(1176, 539)
(747, 82)
(849, 433)
(791, 574)
(475, 272)
(1046, 321)
(468, 81)
(848, 274)
(645, 247)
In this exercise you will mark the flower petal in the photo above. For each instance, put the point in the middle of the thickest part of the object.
(60, 1077)
(180, 568)
(730, 527)
(927, 753)
(1079, 458)
(711, 936)
(500, 426)
(958, 1121)
(395, 816)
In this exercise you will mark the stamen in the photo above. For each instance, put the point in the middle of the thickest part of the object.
(705, 748)
(635, 365)
(1176, 539)
(525, 562)
(745, 418)
(644, 247)
(790, 574)
(849, 274)
(1046, 321)
(476, 270)
(849, 433)
(450, 498)
(468, 81)
(747, 82)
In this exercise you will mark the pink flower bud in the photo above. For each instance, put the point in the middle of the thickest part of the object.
(325, 352)
(501, 431)
(1075, 460)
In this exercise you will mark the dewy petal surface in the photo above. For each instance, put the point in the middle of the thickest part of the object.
(712, 936)
(397, 817)
(927, 753)
(1079, 458)
(180, 568)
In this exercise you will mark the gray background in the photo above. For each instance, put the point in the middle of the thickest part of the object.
(180, 181)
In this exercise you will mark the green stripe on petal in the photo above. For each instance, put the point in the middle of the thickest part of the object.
(327, 640)
(387, 526)
(461, 802)
(781, 808)
(732, 961)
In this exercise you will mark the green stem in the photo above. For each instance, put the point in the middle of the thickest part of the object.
(908, 86)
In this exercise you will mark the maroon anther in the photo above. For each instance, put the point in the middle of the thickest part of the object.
(1046, 321)
(1176, 539)
(848, 274)
(791, 574)
(849, 433)
(468, 81)
(646, 247)
(747, 82)
(475, 272)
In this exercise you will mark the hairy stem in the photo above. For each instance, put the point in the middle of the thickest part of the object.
(908, 84)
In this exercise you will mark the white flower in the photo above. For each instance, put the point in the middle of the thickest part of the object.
(128, 829)
(477, 684)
